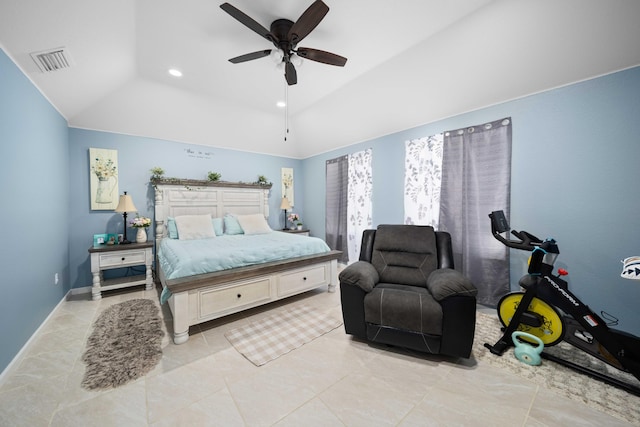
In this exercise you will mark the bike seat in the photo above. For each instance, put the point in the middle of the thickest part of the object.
(527, 280)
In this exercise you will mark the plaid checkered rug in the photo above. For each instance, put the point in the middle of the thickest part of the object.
(269, 338)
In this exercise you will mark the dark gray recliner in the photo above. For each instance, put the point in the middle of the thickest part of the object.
(404, 292)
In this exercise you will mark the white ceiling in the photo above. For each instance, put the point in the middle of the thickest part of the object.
(410, 62)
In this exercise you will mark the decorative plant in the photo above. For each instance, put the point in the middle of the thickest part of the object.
(295, 218)
(262, 180)
(214, 176)
(104, 169)
(156, 173)
(140, 222)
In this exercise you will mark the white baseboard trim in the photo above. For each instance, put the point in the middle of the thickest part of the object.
(17, 357)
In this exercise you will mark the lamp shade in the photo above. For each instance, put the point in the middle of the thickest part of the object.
(125, 204)
(285, 204)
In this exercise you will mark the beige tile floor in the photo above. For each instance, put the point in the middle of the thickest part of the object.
(332, 381)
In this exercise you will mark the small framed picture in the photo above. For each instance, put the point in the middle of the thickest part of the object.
(99, 239)
(106, 239)
(112, 239)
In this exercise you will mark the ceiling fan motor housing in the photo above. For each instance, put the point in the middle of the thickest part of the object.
(280, 29)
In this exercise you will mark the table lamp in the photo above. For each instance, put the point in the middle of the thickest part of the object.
(284, 204)
(125, 204)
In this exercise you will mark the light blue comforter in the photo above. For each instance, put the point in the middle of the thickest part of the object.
(182, 258)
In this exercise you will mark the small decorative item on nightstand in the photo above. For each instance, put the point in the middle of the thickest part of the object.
(141, 223)
(295, 219)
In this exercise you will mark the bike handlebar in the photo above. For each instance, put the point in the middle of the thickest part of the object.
(499, 224)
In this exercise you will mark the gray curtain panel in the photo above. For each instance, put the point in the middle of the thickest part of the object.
(337, 179)
(476, 180)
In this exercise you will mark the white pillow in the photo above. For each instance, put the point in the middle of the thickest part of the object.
(254, 224)
(192, 227)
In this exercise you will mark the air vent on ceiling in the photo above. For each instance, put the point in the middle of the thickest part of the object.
(52, 59)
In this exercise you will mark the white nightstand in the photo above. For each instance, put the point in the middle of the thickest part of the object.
(303, 232)
(117, 256)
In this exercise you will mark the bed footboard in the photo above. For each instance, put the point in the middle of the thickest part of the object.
(223, 293)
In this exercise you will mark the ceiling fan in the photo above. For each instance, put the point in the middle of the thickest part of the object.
(285, 36)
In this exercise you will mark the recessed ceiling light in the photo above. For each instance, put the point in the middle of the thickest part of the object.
(175, 72)
(281, 104)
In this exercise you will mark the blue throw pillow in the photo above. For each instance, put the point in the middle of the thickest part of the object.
(172, 228)
(218, 226)
(231, 225)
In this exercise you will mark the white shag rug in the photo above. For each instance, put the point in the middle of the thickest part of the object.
(125, 344)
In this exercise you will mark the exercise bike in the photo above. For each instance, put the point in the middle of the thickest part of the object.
(549, 311)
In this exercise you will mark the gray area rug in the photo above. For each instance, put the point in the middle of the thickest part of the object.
(267, 339)
(124, 345)
(560, 379)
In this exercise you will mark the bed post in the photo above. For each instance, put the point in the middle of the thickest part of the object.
(265, 200)
(159, 213)
(180, 308)
(160, 220)
(333, 276)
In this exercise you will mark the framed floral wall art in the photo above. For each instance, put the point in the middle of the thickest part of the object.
(287, 184)
(103, 179)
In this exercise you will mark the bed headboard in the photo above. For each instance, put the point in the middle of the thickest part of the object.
(191, 197)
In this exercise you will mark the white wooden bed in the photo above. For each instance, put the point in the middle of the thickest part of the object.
(200, 298)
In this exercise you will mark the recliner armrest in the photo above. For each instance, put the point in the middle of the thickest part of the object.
(446, 282)
(361, 274)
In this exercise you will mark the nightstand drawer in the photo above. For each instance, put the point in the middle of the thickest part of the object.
(122, 258)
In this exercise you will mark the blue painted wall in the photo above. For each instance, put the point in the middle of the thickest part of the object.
(136, 156)
(35, 208)
(575, 174)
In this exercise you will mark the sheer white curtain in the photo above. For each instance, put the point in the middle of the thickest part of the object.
(359, 204)
(422, 179)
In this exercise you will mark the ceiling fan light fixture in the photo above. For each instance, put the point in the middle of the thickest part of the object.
(276, 56)
(296, 60)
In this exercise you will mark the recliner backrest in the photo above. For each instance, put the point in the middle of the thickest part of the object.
(404, 254)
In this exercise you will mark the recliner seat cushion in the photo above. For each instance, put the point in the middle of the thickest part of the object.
(405, 254)
(411, 308)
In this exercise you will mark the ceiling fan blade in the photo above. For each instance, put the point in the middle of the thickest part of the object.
(290, 74)
(321, 56)
(247, 21)
(309, 19)
(250, 56)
